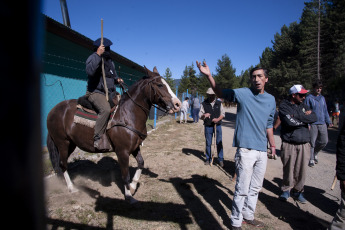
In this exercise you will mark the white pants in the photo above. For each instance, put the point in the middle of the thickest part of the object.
(183, 115)
(250, 170)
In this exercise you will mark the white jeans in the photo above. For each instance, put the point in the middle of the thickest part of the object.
(183, 115)
(250, 170)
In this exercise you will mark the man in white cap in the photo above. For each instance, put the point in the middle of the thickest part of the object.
(295, 117)
(254, 126)
(212, 113)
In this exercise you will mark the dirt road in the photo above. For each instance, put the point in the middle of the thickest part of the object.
(177, 191)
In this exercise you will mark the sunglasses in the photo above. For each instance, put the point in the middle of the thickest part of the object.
(301, 95)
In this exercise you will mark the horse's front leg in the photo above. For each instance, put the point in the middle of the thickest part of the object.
(140, 161)
(123, 159)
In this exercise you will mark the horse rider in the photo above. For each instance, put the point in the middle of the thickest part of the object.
(95, 86)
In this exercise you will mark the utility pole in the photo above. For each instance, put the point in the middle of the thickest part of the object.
(65, 15)
(318, 42)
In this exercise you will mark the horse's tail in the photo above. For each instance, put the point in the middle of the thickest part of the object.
(54, 155)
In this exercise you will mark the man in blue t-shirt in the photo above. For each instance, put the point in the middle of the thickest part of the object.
(254, 125)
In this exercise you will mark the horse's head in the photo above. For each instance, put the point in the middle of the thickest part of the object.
(162, 95)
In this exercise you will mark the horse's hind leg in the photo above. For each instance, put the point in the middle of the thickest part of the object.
(140, 161)
(65, 153)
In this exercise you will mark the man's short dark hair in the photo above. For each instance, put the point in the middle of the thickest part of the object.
(317, 84)
(258, 68)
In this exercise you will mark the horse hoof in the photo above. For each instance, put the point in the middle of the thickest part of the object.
(73, 190)
(131, 200)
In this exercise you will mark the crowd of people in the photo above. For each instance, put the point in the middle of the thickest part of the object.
(304, 120)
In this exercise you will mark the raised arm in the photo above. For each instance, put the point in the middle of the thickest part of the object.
(204, 69)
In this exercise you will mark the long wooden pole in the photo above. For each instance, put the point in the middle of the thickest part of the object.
(104, 81)
(214, 143)
(334, 182)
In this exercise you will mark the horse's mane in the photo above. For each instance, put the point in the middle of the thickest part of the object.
(132, 89)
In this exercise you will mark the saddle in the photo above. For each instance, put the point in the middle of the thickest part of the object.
(87, 115)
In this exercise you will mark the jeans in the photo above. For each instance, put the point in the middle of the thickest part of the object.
(196, 115)
(208, 136)
(318, 139)
(250, 170)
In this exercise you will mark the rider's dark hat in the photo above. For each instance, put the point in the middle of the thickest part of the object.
(106, 42)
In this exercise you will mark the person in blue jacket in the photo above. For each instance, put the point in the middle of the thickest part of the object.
(254, 126)
(318, 129)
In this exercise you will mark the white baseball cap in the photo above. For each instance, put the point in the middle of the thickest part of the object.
(298, 89)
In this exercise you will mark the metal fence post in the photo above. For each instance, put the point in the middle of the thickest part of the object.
(176, 96)
(155, 119)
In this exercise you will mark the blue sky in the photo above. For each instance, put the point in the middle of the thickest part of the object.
(174, 34)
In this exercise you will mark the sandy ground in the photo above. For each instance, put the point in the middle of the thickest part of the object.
(177, 191)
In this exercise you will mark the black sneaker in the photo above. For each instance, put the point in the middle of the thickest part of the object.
(221, 164)
(311, 163)
(207, 162)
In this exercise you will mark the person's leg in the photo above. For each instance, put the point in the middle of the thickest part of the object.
(338, 222)
(313, 136)
(244, 161)
(208, 138)
(219, 143)
(103, 109)
(322, 139)
(288, 158)
(256, 182)
(196, 114)
(300, 172)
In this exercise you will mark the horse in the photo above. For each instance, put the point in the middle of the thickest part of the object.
(126, 133)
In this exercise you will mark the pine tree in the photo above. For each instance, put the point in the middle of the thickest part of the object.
(168, 78)
(226, 73)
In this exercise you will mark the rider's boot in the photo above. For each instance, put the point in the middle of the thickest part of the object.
(101, 143)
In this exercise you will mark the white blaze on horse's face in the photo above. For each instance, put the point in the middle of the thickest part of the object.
(175, 101)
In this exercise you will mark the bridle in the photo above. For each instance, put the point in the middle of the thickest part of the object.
(124, 86)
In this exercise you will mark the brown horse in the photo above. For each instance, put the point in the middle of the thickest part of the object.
(128, 128)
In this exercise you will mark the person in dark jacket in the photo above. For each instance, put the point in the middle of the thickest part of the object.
(339, 218)
(212, 112)
(96, 89)
(295, 150)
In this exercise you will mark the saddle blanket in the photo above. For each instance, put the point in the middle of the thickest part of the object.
(87, 118)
